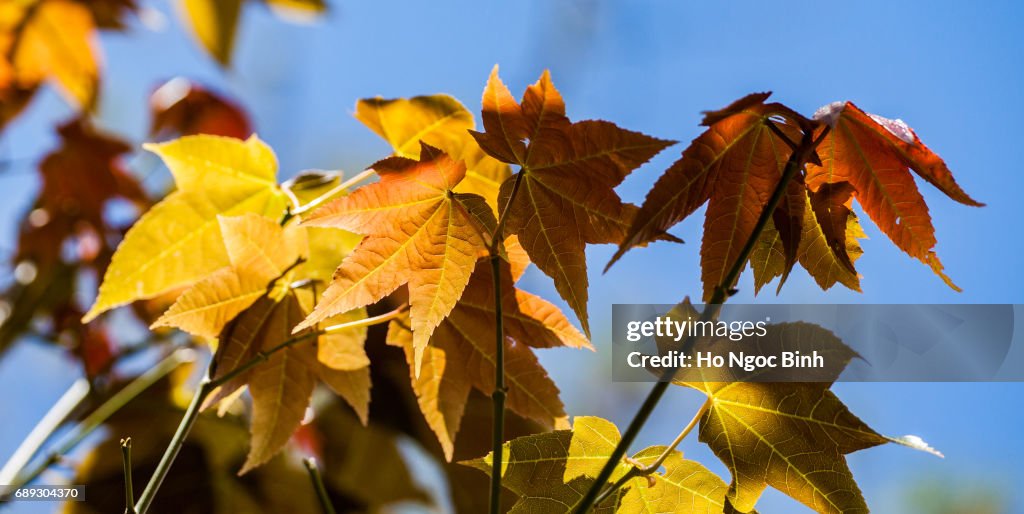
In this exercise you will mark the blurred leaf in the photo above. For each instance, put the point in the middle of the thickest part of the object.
(49, 40)
(214, 23)
(68, 231)
(183, 108)
(367, 467)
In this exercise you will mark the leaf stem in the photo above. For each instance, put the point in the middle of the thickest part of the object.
(208, 385)
(336, 190)
(126, 458)
(102, 414)
(318, 485)
(264, 355)
(499, 229)
(654, 466)
(719, 295)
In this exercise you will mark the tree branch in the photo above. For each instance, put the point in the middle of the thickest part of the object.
(500, 391)
(721, 293)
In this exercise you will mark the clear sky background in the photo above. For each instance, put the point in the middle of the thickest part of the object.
(952, 70)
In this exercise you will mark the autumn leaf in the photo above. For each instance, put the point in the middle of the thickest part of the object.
(260, 251)
(568, 171)
(182, 108)
(350, 450)
(68, 231)
(733, 166)
(819, 254)
(339, 359)
(80, 180)
(439, 121)
(419, 232)
(342, 363)
(215, 22)
(179, 240)
(281, 387)
(874, 155)
(792, 436)
(684, 487)
(49, 40)
(461, 355)
(552, 471)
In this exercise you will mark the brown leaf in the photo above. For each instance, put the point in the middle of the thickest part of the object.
(461, 356)
(183, 108)
(568, 171)
(734, 166)
(281, 387)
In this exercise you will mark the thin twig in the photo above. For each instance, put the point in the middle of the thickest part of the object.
(336, 190)
(318, 485)
(177, 441)
(43, 430)
(126, 457)
(208, 385)
(103, 413)
(719, 295)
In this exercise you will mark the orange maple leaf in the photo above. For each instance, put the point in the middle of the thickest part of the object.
(874, 155)
(419, 232)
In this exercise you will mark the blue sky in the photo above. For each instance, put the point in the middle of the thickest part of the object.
(952, 70)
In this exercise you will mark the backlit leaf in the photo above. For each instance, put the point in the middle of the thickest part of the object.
(461, 356)
(260, 251)
(791, 436)
(281, 387)
(179, 240)
(49, 40)
(733, 166)
(566, 198)
(419, 232)
(439, 121)
(551, 472)
(875, 155)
